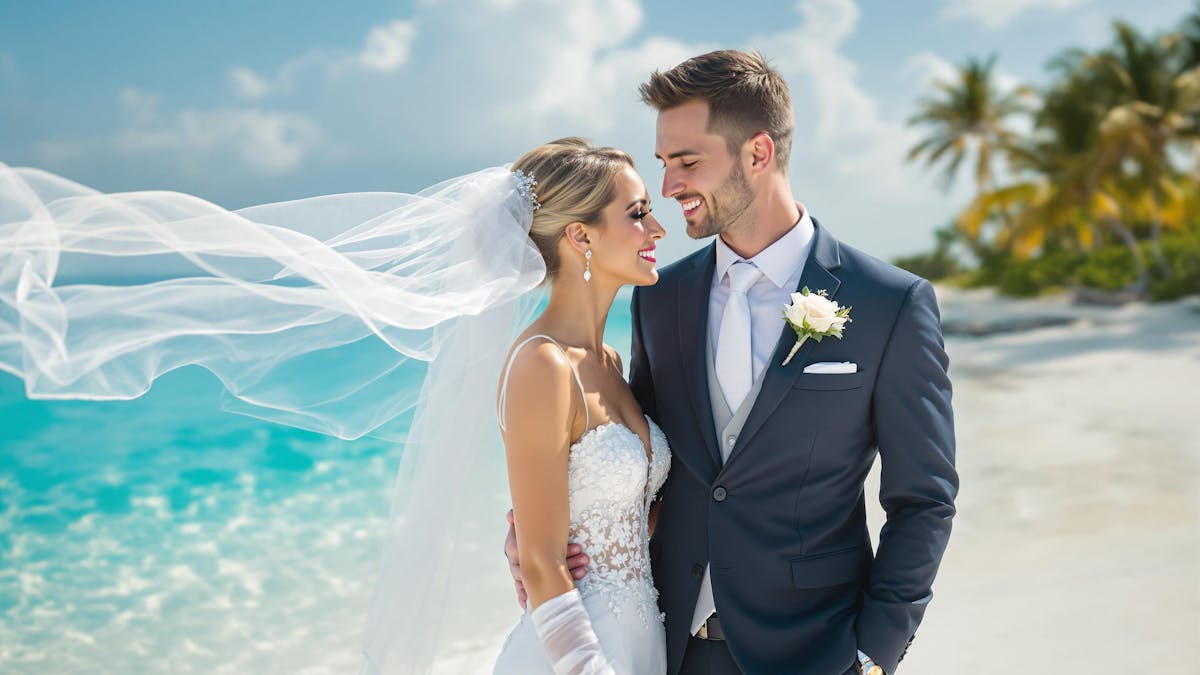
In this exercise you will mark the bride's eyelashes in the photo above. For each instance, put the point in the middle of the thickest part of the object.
(642, 213)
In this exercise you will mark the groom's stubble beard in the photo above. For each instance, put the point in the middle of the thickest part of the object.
(728, 203)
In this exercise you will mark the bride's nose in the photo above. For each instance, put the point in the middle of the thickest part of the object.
(656, 229)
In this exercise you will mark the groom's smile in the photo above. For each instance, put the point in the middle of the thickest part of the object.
(690, 206)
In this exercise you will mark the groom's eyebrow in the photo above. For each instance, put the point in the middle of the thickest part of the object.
(677, 154)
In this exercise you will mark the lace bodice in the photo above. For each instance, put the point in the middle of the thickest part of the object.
(612, 483)
(611, 488)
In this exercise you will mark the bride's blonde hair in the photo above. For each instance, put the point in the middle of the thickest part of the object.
(575, 181)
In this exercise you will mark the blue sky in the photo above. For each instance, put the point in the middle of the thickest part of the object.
(248, 102)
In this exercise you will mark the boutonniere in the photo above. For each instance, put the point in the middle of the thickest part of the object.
(814, 315)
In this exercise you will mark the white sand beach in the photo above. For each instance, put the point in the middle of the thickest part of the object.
(1077, 540)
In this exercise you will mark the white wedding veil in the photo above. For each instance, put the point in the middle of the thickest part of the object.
(335, 314)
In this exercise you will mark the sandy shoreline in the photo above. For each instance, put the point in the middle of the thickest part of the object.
(1078, 533)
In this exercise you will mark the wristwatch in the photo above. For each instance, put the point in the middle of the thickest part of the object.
(868, 667)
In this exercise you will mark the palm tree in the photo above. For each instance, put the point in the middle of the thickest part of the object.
(968, 113)
(1068, 191)
(1149, 90)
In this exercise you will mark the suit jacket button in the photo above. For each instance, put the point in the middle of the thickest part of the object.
(719, 494)
(697, 572)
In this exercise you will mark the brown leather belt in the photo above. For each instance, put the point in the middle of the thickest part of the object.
(711, 629)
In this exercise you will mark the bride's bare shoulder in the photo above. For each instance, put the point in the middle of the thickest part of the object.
(535, 350)
(537, 356)
(538, 411)
(538, 384)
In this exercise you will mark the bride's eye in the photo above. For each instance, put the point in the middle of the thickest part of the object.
(639, 215)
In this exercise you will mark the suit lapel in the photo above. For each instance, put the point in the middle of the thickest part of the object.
(818, 274)
(693, 290)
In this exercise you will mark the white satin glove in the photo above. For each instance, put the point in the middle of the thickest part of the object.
(566, 633)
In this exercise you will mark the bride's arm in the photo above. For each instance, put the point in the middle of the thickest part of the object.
(539, 416)
(542, 407)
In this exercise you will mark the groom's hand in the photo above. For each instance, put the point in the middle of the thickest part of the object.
(576, 561)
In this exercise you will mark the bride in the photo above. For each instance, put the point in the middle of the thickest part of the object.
(584, 463)
(338, 314)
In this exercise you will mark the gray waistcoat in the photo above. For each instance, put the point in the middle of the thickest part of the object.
(728, 424)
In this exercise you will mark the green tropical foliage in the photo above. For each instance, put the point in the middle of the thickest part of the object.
(1105, 189)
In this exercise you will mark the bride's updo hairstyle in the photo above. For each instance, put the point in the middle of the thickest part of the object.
(575, 181)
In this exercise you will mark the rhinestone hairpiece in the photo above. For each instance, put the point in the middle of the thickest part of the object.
(525, 185)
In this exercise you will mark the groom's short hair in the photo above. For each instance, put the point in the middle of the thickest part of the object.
(745, 96)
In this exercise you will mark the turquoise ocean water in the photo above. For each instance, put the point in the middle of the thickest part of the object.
(163, 534)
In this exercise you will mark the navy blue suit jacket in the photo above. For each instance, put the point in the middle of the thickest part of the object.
(783, 521)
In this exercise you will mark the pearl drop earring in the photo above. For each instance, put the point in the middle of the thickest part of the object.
(587, 270)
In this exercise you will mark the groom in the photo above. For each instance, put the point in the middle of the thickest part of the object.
(761, 552)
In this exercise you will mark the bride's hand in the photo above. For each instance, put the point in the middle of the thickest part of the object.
(577, 561)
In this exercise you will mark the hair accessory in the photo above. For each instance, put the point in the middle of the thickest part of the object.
(525, 185)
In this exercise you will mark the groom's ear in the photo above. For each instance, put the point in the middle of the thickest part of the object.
(577, 237)
(761, 148)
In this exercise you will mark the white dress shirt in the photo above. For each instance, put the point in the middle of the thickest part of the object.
(782, 264)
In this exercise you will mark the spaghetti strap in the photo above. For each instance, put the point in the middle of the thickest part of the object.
(508, 369)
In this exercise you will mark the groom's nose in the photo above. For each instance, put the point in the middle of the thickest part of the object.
(671, 184)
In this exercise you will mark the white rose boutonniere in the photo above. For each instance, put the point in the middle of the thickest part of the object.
(814, 315)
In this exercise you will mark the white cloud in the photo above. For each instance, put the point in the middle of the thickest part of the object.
(267, 143)
(929, 69)
(388, 47)
(591, 74)
(996, 14)
(248, 83)
(385, 49)
(139, 108)
(264, 142)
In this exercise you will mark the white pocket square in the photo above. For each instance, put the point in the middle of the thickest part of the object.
(832, 368)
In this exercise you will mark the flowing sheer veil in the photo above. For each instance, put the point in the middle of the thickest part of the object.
(334, 314)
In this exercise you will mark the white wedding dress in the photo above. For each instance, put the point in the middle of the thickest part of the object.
(611, 486)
